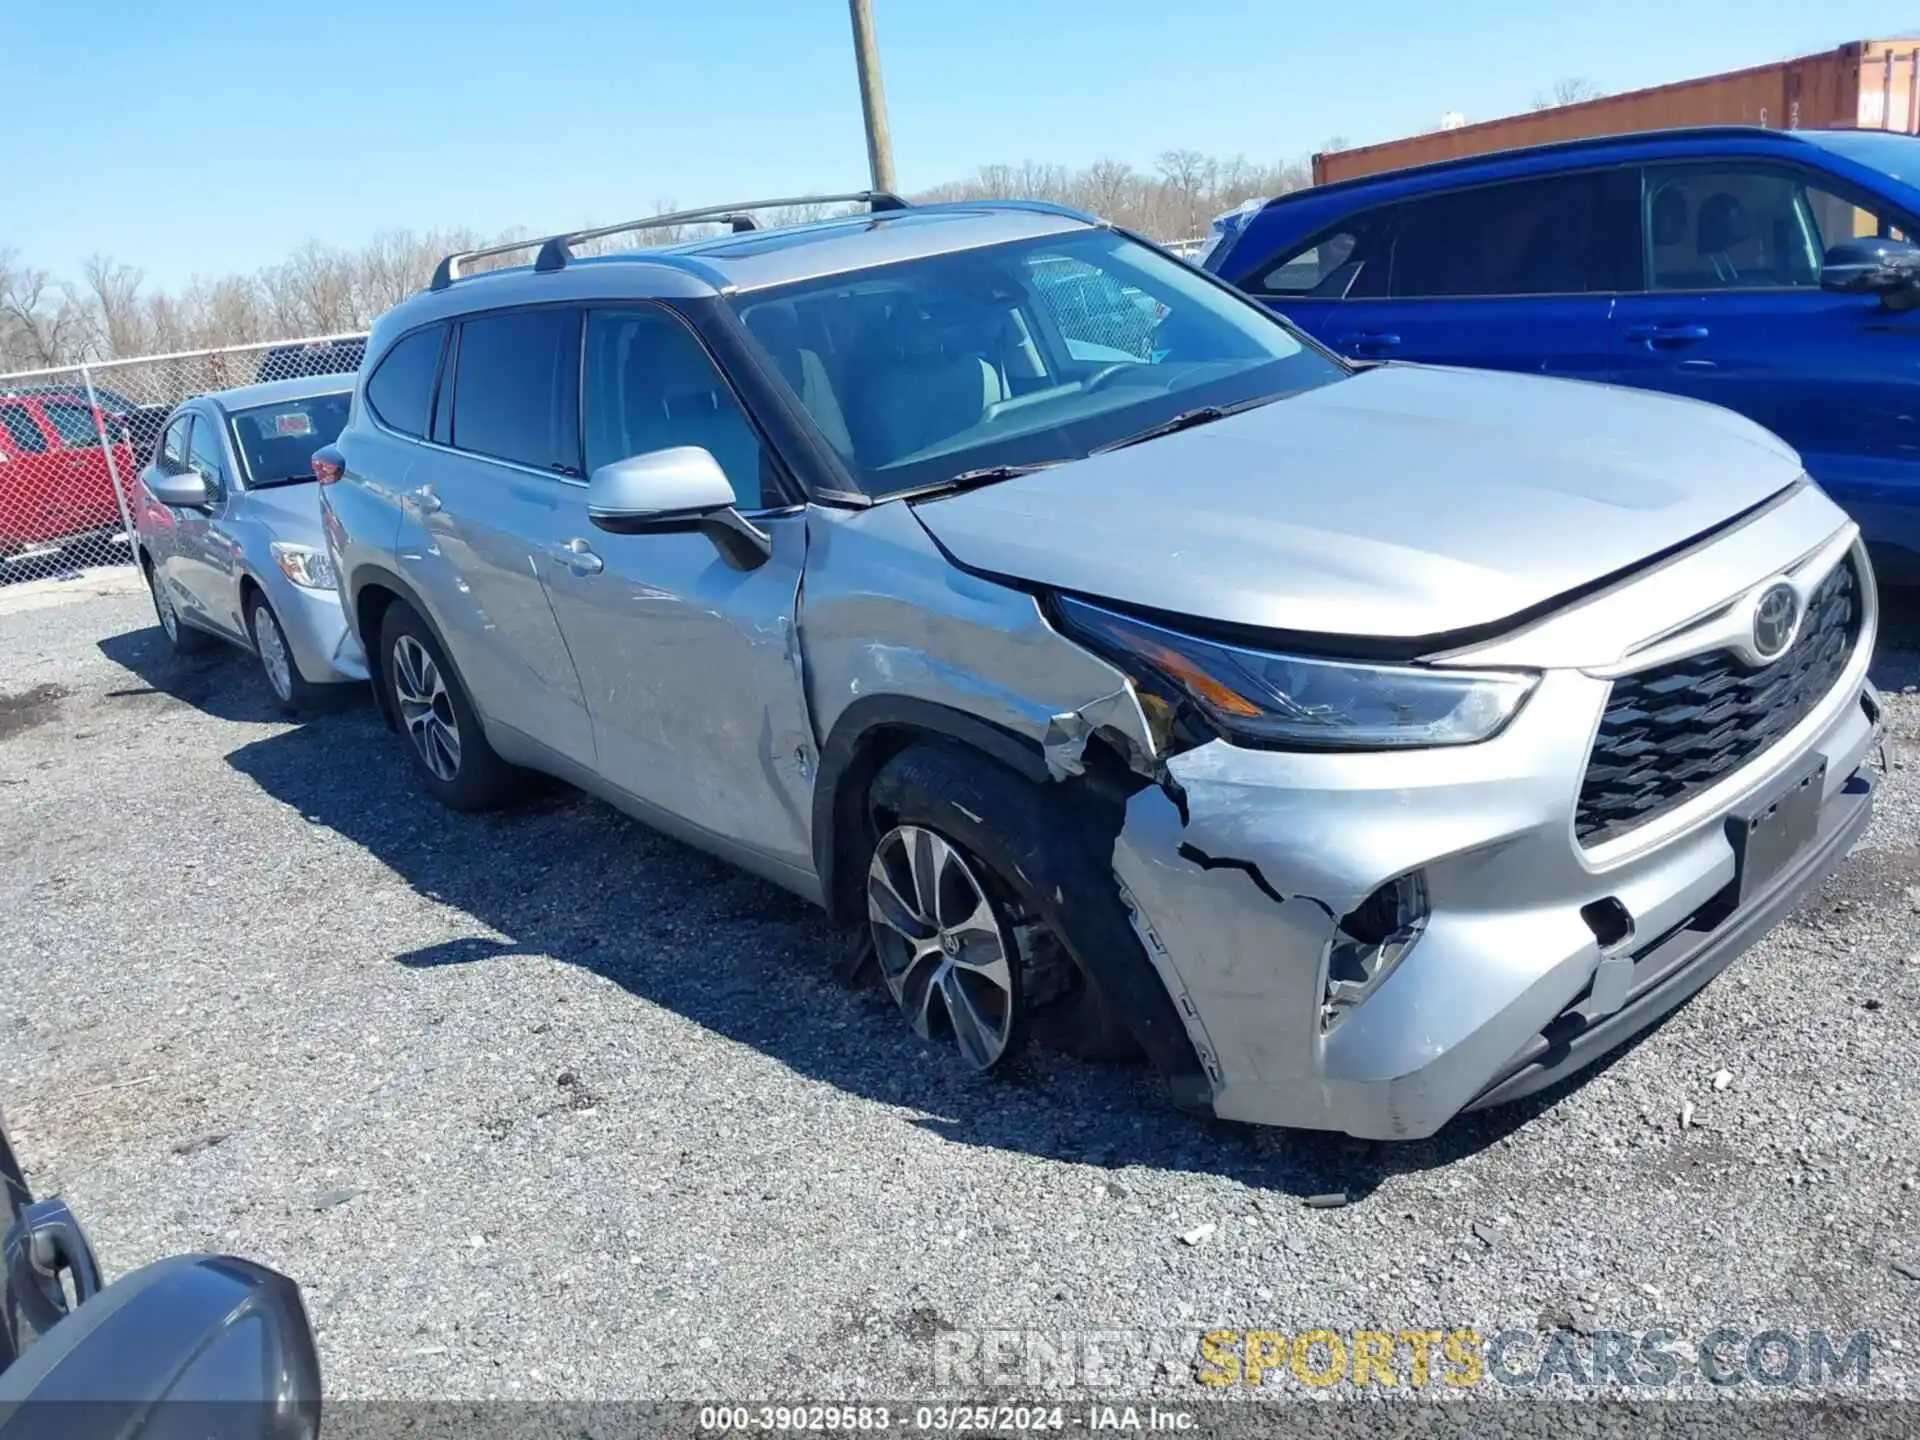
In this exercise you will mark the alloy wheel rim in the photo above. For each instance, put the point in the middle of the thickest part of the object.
(943, 950)
(426, 706)
(273, 654)
(163, 602)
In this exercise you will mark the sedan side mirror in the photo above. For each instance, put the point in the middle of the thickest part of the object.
(185, 491)
(672, 491)
(1872, 266)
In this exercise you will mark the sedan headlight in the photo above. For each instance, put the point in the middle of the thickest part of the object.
(303, 565)
(1291, 701)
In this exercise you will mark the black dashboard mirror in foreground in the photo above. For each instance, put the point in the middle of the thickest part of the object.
(1872, 266)
(202, 1346)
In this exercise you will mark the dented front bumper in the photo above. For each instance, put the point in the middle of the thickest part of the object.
(1240, 869)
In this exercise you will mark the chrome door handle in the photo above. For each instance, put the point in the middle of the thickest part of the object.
(426, 500)
(578, 556)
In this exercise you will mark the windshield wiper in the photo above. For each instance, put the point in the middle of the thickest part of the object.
(1185, 420)
(973, 479)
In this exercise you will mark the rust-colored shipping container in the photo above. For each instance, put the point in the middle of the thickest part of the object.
(1869, 85)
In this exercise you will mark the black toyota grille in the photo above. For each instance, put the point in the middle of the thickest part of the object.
(1672, 731)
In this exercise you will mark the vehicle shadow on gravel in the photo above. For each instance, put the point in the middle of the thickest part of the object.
(565, 876)
(222, 681)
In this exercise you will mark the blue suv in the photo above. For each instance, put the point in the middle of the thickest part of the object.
(1771, 272)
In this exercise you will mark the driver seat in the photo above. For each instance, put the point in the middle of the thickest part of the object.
(1721, 226)
(926, 383)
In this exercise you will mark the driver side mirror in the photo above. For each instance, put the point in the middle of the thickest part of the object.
(1873, 266)
(185, 491)
(671, 491)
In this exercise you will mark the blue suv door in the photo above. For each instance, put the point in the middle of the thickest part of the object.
(1514, 275)
(1733, 313)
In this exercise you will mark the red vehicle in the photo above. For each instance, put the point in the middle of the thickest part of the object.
(55, 485)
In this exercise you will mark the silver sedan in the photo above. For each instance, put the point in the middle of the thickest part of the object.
(229, 533)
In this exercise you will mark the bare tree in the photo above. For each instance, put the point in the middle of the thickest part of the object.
(40, 322)
(1189, 175)
(117, 316)
(1570, 91)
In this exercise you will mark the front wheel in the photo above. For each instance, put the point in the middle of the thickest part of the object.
(182, 638)
(449, 747)
(293, 690)
(965, 900)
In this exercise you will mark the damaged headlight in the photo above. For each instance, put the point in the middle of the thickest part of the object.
(1290, 700)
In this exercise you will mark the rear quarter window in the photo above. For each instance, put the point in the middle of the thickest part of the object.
(1348, 262)
(22, 430)
(400, 390)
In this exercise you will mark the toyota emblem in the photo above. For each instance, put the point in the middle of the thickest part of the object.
(1776, 616)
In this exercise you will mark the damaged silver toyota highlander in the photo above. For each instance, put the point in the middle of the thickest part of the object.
(1363, 745)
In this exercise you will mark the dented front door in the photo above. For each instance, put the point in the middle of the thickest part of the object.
(692, 677)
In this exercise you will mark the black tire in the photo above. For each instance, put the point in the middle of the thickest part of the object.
(478, 779)
(1037, 851)
(182, 638)
(292, 691)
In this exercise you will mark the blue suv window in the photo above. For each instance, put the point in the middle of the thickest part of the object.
(1734, 226)
(1347, 263)
(1559, 235)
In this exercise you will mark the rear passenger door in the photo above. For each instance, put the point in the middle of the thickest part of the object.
(485, 503)
(691, 668)
(87, 491)
(1520, 275)
(1517, 275)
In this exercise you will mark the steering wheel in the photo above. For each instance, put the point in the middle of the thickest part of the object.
(1106, 372)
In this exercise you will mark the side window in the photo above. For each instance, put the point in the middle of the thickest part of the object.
(73, 423)
(1349, 263)
(1838, 219)
(400, 390)
(1732, 227)
(650, 386)
(1559, 235)
(514, 395)
(22, 431)
(205, 454)
(173, 447)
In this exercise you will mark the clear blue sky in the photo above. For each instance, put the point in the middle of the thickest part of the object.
(205, 136)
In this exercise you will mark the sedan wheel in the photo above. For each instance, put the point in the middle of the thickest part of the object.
(163, 605)
(944, 946)
(273, 653)
(426, 708)
(181, 637)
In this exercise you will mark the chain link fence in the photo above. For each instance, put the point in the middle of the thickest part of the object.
(74, 440)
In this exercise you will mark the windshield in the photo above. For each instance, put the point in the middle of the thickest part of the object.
(1896, 156)
(276, 442)
(1018, 354)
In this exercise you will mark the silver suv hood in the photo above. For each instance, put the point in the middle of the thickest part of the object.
(1406, 501)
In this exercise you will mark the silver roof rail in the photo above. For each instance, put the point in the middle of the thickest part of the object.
(557, 250)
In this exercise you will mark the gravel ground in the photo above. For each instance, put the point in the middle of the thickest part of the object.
(545, 1104)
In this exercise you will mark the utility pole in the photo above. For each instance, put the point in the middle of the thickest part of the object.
(873, 98)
